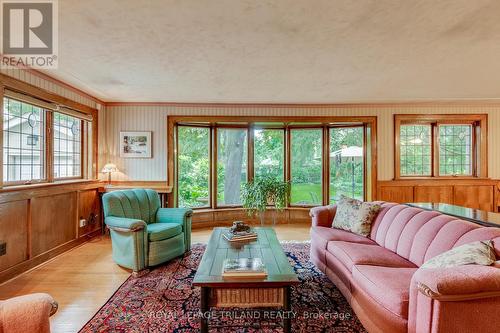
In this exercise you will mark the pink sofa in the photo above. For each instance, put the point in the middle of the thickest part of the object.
(379, 274)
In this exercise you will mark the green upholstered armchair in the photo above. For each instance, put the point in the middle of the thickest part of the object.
(142, 233)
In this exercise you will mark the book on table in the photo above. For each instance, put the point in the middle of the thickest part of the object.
(244, 268)
(239, 236)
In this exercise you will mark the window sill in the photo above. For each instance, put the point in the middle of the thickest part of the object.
(14, 188)
(225, 209)
(441, 178)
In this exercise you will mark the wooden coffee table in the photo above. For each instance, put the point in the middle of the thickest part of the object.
(274, 291)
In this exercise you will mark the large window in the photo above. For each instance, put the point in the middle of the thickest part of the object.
(67, 146)
(306, 166)
(194, 166)
(441, 146)
(322, 159)
(43, 142)
(232, 148)
(23, 142)
(269, 147)
(347, 159)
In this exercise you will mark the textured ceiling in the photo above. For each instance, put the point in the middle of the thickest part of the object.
(289, 51)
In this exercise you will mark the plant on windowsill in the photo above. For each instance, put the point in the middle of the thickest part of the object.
(265, 192)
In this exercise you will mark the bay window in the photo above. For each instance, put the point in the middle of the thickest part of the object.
(322, 158)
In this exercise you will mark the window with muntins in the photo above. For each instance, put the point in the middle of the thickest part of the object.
(67, 132)
(23, 142)
(43, 141)
(441, 146)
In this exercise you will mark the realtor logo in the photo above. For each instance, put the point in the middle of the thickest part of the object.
(29, 33)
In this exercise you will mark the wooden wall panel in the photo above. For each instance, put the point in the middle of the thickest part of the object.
(473, 193)
(226, 217)
(53, 221)
(443, 194)
(479, 197)
(299, 215)
(14, 231)
(399, 194)
(89, 208)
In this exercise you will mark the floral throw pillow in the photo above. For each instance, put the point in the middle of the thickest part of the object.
(355, 216)
(479, 253)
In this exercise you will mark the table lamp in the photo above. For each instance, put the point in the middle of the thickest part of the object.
(109, 168)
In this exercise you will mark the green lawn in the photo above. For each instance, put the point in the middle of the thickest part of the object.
(304, 193)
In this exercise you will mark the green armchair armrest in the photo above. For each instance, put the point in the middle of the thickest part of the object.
(173, 215)
(181, 216)
(124, 224)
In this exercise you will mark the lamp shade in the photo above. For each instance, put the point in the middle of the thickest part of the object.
(110, 167)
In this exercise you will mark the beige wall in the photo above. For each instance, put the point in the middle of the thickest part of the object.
(154, 118)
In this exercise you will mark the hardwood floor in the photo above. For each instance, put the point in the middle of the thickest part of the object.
(83, 279)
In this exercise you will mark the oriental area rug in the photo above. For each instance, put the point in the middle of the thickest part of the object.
(164, 300)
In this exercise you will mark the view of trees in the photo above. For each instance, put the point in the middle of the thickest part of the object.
(269, 153)
(231, 164)
(306, 166)
(346, 163)
(194, 166)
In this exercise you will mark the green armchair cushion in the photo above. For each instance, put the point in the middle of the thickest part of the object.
(173, 215)
(160, 231)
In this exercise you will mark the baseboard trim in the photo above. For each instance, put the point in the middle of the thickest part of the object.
(43, 258)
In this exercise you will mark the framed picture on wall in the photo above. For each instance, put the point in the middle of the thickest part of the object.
(135, 145)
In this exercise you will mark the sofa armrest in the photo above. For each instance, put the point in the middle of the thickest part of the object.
(124, 224)
(460, 283)
(27, 313)
(173, 215)
(323, 216)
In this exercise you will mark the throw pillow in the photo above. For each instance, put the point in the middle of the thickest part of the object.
(355, 216)
(479, 253)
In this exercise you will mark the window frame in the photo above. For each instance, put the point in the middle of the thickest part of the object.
(45, 173)
(210, 162)
(286, 123)
(83, 156)
(479, 139)
(89, 127)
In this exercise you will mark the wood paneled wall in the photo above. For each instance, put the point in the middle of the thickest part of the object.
(474, 193)
(42, 221)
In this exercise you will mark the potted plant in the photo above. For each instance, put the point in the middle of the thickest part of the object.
(265, 192)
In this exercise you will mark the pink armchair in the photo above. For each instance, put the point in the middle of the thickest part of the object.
(28, 313)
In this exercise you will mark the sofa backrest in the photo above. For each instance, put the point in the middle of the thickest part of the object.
(135, 204)
(419, 235)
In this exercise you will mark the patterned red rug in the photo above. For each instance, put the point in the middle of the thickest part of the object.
(164, 301)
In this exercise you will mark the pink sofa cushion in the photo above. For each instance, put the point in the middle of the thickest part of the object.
(325, 235)
(365, 254)
(477, 234)
(388, 286)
